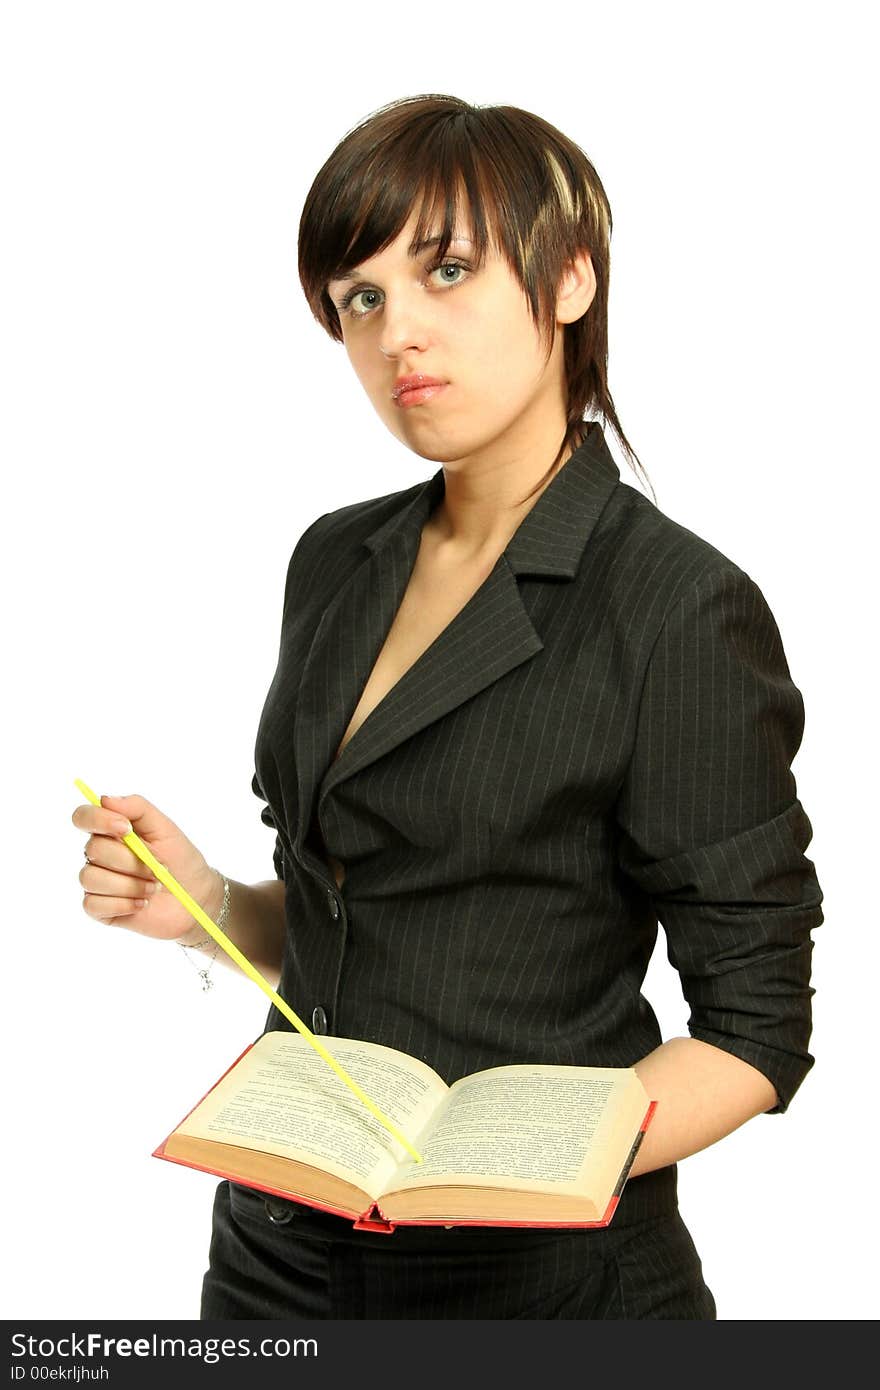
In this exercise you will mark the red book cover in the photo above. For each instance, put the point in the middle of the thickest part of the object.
(372, 1218)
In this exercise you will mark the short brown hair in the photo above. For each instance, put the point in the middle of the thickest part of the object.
(544, 199)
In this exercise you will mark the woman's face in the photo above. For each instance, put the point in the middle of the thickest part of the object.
(469, 328)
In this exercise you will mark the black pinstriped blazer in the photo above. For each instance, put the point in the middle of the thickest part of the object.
(601, 738)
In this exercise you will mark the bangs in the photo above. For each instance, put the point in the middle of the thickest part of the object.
(441, 180)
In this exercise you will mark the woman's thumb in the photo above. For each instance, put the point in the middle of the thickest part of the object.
(136, 809)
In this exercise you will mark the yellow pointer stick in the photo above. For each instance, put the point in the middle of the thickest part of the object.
(137, 845)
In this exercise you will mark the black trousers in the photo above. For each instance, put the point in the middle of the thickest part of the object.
(276, 1259)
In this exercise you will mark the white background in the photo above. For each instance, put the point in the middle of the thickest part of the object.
(174, 420)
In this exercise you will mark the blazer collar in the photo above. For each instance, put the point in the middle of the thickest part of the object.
(550, 539)
(489, 637)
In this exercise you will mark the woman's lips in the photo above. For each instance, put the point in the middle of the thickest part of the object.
(419, 395)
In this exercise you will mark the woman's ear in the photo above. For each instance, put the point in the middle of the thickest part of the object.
(577, 289)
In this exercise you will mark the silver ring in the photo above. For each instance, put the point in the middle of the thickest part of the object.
(88, 860)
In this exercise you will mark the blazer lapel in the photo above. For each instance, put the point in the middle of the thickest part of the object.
(347, 642)
(490, 636)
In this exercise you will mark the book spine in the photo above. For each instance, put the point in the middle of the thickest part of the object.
(373, 1220)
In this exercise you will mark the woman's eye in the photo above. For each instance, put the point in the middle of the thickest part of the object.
(449, 265)
(349, 300)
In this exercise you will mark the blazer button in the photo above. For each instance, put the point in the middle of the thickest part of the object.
(334, 904)
(319, 1020)
(279, 1213)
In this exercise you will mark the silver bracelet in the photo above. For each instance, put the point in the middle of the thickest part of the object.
(198, 945)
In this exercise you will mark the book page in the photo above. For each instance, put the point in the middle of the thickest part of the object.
(531, 1127)
(284, 1098)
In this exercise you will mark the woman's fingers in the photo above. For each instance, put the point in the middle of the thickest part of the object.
(104, 909)
(117, 883)
(104, 845)
(100, 821)
(111, 853)
(96, 879)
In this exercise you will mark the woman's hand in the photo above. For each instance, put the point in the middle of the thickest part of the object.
(119, 888)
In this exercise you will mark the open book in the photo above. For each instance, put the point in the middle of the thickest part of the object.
(523, 1145)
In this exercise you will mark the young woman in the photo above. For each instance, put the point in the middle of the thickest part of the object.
(519, 717)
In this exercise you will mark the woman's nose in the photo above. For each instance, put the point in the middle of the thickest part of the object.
(404, 326)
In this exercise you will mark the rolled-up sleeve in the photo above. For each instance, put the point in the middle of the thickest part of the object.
(713, 832)
(267, 818)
